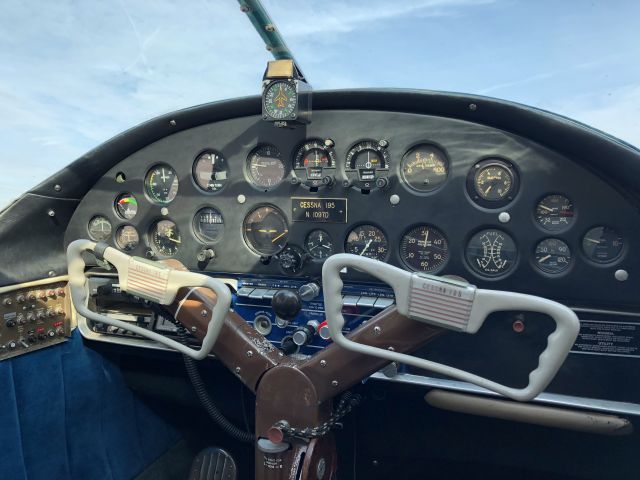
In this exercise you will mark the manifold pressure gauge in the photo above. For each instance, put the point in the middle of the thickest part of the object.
(286, 96)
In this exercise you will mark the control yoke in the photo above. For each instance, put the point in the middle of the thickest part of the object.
(453, 305)
(152, 281)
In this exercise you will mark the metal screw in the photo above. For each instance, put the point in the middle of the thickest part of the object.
(270, 27)
(249, 353)
(621, 275)
(377, 330)
(57, 188)
(52, 273)
(323, 363)
(391, 349)
(194, 329)
(383, 143)
(334, 383)
(473, 107)
(394, 199)
(204, 313)
(51, 212)
(241, 199)
(164, 211)
(329, 143)
(172, 123)
(238, 370)
(245, 8)
(504, 217)
(375, 463)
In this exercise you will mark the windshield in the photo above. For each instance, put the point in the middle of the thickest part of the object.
(75, 74)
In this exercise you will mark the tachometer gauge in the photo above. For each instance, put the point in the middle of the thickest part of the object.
(161, 184)
(266, 230)
(492, 183)
(424, 168)
(210, 171)
(366, 161)
(554, 213)
(314, 162)
(126, 206)
(424, 248)
(368, 241)
(491, 252)
(265, 167)
(319, 244)
(208, 225)
(602, 244)
(127, 238)
(280, 100)
(165, 238)
(99, 228)
(552, 255)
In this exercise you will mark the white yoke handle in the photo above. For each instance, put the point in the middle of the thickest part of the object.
(150, 280)
(453, 305)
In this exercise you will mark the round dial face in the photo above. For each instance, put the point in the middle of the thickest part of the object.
(319, 244)
(554, 213)
(161, 184)
(552, 255)
(491, 252)
(493, 181)
(265, 166)
(127, 238)
(165, 237)
(210, 171)
(99, 228)
(368, 241)
(602, 244)
(126, 206)
(424, 168)
(280, 100)
(266, 230)
(208, 225)
(366, 158)
(424, 248)
(291, 259)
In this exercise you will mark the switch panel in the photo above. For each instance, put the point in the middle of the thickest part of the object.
(33, 318)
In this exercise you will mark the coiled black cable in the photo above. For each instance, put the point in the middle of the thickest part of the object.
(206, 401)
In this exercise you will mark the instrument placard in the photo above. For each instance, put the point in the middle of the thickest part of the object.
(323, 210)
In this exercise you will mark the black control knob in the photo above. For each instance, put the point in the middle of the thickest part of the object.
(288, 346)
(382, 182)
(10, 323)
(304, 334)
(286, 304)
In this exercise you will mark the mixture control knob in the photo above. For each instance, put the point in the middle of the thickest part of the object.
(309, 291)
(323, 331)
(288, 346)
(286, 304)
(304, 335)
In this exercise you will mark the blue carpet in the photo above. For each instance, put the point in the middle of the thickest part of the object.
(66, 413)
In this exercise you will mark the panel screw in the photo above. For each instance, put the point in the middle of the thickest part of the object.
(238, 370)
(241, 199)
(383, 143)
(194, 329)
(51, 212)
(249, 353)
(204, 313)
(323, 363)
(504, 217)
(375, 463)
(57, 188)
(164, 211)
(394, 199)
(621, 275)
(172, 123)
(377, 330)
(473, 107)
(52, 273)
(334, 383)
(391, 349)
(329, 143)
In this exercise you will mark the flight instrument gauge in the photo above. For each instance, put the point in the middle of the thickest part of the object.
(319, 244)
(208, 225)
(265, 167)
(424, 248)
(424, 168)
(367, 164)
(161, 184)
(554, 213)
(127, 238)
(280, 100)
(210, 171)
(367, 241)
(266, 230)
(126, 206)
(602, 244)
(491, 252)
(99, 228)
(492, 183)
(165, 238)
(315, 162)
(552, 255)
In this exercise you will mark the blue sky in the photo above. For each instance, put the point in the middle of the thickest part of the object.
(75, 73)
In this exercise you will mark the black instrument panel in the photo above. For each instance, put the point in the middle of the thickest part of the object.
(426, 193)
